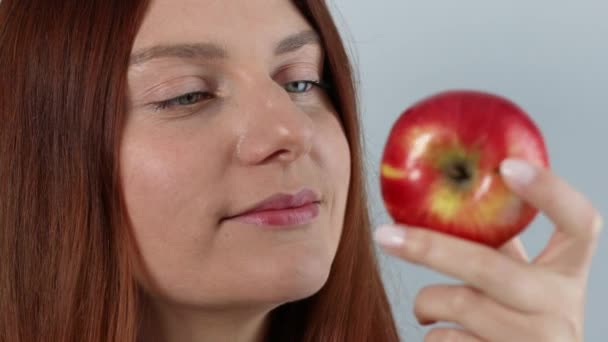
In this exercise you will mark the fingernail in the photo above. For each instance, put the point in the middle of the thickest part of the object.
(518, 171)
(389, 236)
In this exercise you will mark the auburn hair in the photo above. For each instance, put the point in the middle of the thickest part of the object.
(66, 246)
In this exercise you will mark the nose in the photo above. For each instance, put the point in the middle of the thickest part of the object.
(274, 128)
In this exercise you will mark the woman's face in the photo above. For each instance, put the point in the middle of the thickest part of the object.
(221, 117)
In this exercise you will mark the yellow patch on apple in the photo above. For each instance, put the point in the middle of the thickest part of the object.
(498, 207)
(392, 173)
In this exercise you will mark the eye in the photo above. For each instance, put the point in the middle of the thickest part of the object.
(184, 100)
(302, 86)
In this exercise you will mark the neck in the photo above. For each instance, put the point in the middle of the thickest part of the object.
(165, 323)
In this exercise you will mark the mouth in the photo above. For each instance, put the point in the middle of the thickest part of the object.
(282, 209)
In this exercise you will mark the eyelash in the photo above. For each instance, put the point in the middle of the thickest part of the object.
(309, 85)
(176, 102)
(200, 95)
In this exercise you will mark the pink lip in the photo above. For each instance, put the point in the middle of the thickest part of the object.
(282, 210)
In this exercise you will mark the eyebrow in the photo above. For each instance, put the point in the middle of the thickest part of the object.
(213, 51)
(198, 50)
(296, 41)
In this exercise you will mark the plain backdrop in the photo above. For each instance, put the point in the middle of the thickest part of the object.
(549, 56)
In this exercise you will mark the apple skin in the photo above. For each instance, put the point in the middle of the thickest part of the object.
(440, 166)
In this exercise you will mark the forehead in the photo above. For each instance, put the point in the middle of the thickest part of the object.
(234, 24)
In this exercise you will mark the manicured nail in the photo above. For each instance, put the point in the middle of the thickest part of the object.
(518, 171)
(389, 236)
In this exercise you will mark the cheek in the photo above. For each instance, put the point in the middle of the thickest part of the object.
(165, 171)
(164, 185)
(334, 152)
(339, 161)
(152, 177)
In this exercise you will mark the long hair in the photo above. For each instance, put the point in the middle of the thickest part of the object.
(64, 273)
(66, 247)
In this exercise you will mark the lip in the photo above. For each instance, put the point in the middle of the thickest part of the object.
(282, 209)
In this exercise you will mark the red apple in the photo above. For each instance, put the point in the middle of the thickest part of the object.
(440, 167)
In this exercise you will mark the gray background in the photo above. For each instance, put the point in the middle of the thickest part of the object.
(550, 57)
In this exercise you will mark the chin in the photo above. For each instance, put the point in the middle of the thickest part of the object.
(297, 276)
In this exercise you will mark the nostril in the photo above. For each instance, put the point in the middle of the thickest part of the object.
(283, 154)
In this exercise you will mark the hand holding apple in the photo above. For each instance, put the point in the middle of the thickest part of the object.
(504, 296)
(440, 167)
(474, 165)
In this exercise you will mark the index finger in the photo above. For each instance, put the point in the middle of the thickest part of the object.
(512, 282)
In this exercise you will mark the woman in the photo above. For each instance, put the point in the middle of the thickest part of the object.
(141, 146)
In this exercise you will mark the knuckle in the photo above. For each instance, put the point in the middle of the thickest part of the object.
(526, 288)
(461, 301)
(570, 328)
(559, 329)
(589, 222)
(421, 246)
(480, 269)
(490, 270)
